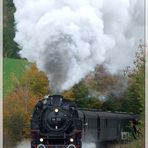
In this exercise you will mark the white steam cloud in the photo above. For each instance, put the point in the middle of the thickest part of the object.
(68, 38)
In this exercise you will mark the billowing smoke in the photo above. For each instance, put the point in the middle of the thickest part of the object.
(68, 38)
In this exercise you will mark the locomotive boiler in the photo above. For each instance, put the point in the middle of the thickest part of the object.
(58, 123)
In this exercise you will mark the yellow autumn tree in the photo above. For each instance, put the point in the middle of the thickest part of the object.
(18, 105)
(69, 95)
(33, 80)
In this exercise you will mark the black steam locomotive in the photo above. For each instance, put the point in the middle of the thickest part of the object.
(57, 123)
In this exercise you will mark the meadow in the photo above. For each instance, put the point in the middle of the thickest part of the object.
(12, 68)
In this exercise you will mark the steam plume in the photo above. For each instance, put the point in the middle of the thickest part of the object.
(68, 38)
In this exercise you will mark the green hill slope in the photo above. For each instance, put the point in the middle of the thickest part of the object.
(12, 67)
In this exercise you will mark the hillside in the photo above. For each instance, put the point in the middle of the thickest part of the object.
(12, 67)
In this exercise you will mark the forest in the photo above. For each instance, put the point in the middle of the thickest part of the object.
(124, 92)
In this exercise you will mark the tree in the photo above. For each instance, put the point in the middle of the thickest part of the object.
(136, 88)
(83, 97)
(94, 103)
(33, 80)
(132, 98)
(19, 104)
(81, 94)
(10, 47)
(69, 94)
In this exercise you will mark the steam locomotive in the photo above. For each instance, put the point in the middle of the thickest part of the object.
(58, 123)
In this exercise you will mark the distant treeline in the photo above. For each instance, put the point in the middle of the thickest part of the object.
(9, 46)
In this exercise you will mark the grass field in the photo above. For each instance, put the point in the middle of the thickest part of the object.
(12, 67)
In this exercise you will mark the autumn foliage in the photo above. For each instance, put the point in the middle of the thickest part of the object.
(18, 106)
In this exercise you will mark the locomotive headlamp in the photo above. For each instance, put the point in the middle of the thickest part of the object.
(41, 139)
(71, 140)
(56, 110)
